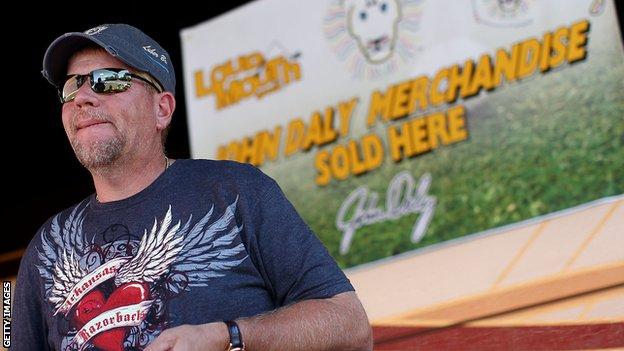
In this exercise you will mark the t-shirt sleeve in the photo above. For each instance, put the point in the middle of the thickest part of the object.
(28, 327)
(292, 260)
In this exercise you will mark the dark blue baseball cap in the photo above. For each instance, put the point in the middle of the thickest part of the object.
(122, 41)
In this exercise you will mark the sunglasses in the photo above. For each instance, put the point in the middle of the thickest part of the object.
(102, 81)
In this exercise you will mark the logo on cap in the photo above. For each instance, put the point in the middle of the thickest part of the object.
(153, 52)
(95, 30)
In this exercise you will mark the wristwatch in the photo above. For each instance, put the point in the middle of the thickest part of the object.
(236, 339)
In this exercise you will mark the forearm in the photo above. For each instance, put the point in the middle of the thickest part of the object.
(337, 323)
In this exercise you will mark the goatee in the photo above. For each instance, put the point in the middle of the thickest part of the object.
(98, 154)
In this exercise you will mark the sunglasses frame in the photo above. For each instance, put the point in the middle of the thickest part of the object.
(122, 77)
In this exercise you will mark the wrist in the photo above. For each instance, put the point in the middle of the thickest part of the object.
(216, 334)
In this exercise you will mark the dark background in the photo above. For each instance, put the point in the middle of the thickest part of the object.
(43, 175)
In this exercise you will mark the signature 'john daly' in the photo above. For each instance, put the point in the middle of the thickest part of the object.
(403, 197)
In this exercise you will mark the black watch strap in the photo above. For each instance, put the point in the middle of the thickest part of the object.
(236, 339)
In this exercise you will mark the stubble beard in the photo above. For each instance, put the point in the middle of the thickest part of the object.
(98, 155)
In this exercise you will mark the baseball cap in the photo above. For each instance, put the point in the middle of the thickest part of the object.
(122, 41)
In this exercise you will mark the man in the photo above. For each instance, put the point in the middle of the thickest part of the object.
(168, 254)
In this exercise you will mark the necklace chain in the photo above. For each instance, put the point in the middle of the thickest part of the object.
(167, 164)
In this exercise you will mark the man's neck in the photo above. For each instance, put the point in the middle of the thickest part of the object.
(124, 179)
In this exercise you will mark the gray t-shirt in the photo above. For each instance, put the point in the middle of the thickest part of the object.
(207, 241)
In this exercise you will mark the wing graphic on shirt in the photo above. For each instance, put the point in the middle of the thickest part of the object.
(61, 271)
(198, 252)
(157, 250)
(188, 255)
(210, 249)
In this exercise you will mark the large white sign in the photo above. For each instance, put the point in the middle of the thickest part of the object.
(336, 98)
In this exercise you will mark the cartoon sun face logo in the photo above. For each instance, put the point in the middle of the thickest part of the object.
(373, 24)
(373, 36)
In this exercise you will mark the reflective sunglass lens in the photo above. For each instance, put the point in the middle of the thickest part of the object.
(102, 81)
(70, 88)
(107, 81)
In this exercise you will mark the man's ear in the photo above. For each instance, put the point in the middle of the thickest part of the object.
(165, 105)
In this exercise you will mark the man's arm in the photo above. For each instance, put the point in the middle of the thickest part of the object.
(319, 310)
(335, 323)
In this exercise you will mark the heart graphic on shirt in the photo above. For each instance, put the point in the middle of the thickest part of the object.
(94, 304)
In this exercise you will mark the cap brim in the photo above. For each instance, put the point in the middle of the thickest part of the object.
(59, 52)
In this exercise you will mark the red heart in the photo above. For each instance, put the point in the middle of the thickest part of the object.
(94, 303)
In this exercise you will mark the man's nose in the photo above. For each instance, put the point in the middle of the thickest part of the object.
(85, 96)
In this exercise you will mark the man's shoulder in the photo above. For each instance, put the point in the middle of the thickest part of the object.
(225, 166)
(225, 171)
(54, 228)
(73, 213)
